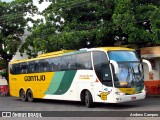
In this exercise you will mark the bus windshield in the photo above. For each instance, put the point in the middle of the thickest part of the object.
(130, 69)
(123, 56)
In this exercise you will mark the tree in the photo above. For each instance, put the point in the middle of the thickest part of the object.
(74, 24)
(12, 25)
(138, 21)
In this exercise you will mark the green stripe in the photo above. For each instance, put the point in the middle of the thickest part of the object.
(55, 83)
(66, 82)
(61, 82)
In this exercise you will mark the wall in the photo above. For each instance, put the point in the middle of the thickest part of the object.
(152, 79)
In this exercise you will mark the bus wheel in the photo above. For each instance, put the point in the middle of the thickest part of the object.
(30, 95)
(23, 95)
(88, 99)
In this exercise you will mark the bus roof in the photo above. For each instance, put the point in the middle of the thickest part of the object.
(69, 52)
(115, 48)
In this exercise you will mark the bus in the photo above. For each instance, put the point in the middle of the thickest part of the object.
(104, 74)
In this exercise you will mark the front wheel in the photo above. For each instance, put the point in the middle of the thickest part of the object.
(88, 99)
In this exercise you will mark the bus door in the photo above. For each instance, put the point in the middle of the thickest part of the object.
(103, 85)
(107, 84)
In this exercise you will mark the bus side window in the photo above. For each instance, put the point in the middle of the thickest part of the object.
(79, 62)
(23, 68)
(17, 68)
(73, 62)
(11, 69)
(36, 66)
(106, 73)
(44, 65)
(84, 61)
(55, 64)
(99, 59)
(30, 67)
(66, 62)
(51, 64)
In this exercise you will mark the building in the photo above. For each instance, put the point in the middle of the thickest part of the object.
(152, 79)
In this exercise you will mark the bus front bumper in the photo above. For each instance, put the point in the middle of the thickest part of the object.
(126, 98)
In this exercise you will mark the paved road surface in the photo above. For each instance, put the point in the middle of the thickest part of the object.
(15, 104)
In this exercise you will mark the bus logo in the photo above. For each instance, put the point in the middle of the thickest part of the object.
(35, 78)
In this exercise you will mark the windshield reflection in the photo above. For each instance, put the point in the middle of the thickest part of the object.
(130, 75)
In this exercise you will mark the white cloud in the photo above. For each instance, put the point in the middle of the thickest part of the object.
(41, 6)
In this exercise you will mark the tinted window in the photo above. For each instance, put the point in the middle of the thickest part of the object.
(55, 64)
(36, 66)
(73, 62)
(99, 59)
(106, 75)
(23, 68)
(66, 62)
(44, 65)
(102, 68)
(16, 68)
(11, 69)
(84, 61)
(69, 62)
(31, 67)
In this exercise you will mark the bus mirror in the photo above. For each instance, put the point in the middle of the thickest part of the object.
(148, 64)
(115, 64)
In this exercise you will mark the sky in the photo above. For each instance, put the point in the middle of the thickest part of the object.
(41, 7)
(7, 0)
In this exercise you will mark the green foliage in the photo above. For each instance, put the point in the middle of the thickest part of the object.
(3, 74)
(2, 64)
(135, 20)
(12, 25)
(74, 24)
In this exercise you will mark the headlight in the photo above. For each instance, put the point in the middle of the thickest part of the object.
(144, 90)
(120, 93)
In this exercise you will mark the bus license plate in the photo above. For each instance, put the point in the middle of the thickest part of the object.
(133, 98)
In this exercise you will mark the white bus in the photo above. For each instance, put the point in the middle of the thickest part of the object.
(106, 75)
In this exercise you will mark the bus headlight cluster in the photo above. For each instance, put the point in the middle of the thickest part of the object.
(144, 91)
(120, 93)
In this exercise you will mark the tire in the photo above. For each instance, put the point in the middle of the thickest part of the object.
(88, 99)
(30, 96)
(23, 95)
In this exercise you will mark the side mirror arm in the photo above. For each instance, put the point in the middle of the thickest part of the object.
(148, 64)
(116, 67)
